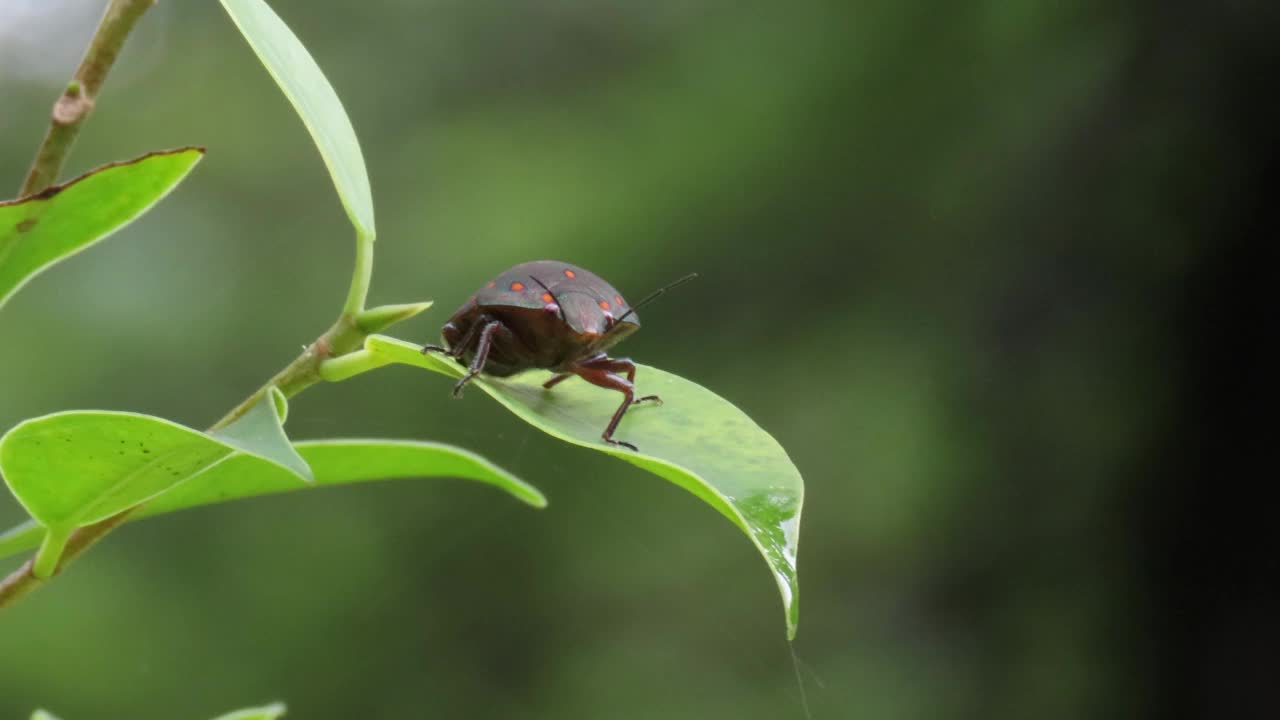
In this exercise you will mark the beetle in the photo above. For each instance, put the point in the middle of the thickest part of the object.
(550, 315)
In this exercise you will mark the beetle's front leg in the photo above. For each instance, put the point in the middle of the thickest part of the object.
(482, 354)
(456, 346)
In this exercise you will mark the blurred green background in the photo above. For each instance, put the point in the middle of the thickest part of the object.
(941, 248)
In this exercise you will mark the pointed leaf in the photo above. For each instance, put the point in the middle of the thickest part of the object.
(54, 224)
(337, 462)
(334, 462)
(259, 432)
(696, 440)
(20, 537)
(314, 99)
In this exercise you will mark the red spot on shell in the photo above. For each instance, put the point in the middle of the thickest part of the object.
(546, 297)
(618, 299)
(517, 286)
(492, 283)
(570, 274)
(604, 304)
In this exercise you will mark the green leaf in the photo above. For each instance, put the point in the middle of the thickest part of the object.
(315, 101)
(259, 433)
(266, 712)
(43, 715)
(334, 462)
(337, 462)
(74, 468)
(20, 537)
(696, 440)
(39, 230)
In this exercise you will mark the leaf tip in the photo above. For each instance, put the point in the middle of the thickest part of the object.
(384, 316)
(533, 498)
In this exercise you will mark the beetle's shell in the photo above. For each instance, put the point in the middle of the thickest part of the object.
(557, 278)
(553, 314)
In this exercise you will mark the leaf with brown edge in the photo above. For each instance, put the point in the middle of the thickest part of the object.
(52, 225)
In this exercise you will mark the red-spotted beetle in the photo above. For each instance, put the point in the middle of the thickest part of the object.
(550, 315)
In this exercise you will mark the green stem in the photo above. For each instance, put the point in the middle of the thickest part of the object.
(304, 371)
(352, 364)
(46, 562)
(76, 101)
(360, 276)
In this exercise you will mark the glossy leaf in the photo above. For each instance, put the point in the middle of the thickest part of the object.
(266, 712)
(338, 462)
(56, 223)
(77, 467)
(696, 439)
(334, 462)
(74, 468)
(314, 99)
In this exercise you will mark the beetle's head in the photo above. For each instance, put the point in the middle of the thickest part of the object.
(584, 314)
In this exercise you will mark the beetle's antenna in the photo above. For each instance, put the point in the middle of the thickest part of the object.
(553, 297)
(654, 295)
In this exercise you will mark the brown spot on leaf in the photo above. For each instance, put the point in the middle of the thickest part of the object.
(26, 225)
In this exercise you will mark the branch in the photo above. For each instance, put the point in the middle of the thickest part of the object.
(76, 102)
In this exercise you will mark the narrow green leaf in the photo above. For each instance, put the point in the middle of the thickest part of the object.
(20, 538)
(314, 99)
(266, 712)
(696, 439)
(334, 462)
(337, 462)
(54, 224)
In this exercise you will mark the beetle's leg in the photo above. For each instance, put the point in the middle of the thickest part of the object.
(459, 347)
(605, 379)
(597, 372)
(482, 354)
(620, 365)
(556, 380)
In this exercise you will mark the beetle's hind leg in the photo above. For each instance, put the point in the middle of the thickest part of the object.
(624, 365)
(556, 380)
(603, 372)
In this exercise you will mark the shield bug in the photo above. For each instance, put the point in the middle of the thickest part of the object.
(550, 315)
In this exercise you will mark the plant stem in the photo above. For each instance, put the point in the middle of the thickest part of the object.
(360, 276)
(351, 364)
(304, 371)
(76, 101)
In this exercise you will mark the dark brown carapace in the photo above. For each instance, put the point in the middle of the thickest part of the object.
(549, 315)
